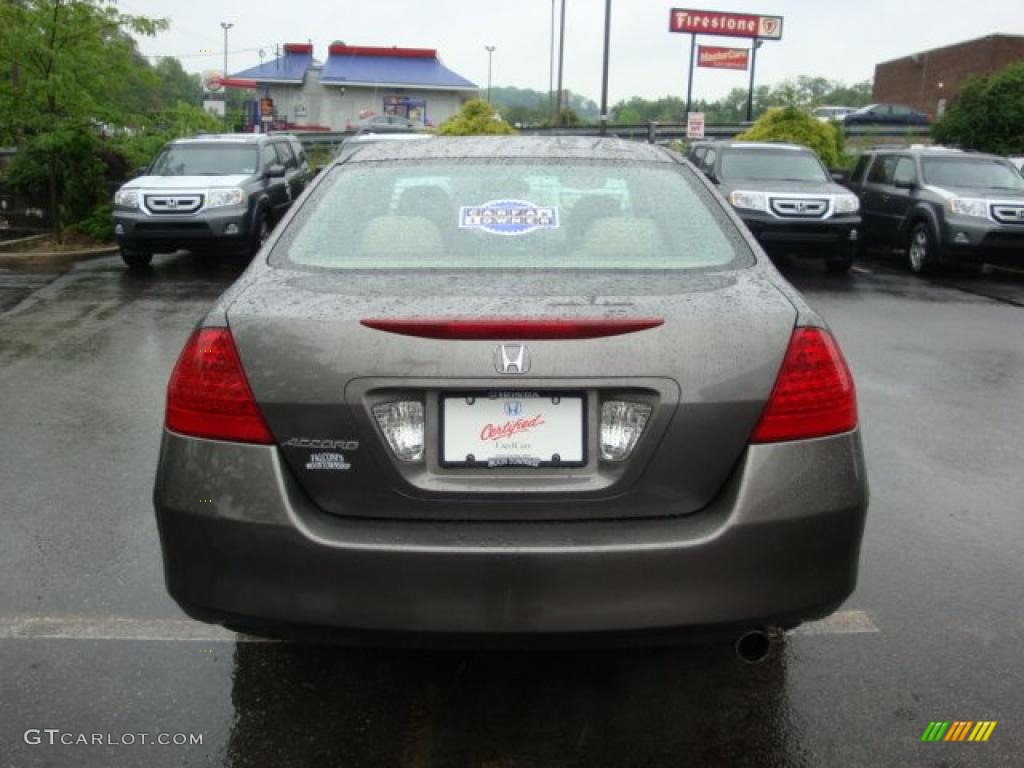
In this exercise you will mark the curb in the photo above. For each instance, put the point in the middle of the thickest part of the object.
(53, 258)
(5, 244)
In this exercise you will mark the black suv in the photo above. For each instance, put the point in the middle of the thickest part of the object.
(941, 205)
(212, 192)
(786, 197)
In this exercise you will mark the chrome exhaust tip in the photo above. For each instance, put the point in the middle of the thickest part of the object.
(754, 646)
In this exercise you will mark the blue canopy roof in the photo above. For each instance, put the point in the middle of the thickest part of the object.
(290, 68)
(393, 71)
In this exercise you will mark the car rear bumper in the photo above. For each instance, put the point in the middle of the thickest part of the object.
(819, 237)
(140, 231)
(780, 545)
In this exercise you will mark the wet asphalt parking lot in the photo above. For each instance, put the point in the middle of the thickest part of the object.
(91, 644)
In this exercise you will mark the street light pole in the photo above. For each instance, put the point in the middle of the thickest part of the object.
(604, 73)
(490, 56)
(225, 26)
(561, 64)
(551, 64)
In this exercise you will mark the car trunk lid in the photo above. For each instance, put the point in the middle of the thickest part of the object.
(706, 369)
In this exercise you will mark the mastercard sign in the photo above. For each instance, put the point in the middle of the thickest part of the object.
(722, 58)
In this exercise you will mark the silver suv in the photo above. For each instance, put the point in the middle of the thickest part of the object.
(218, 192)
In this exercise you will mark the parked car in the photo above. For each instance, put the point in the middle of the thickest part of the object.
(217, 192)
(352, 143)
(384, 123)
(698, 150)
(787, 198)
(886, 114)
(941, 205)
(511, 387)
(826, 113)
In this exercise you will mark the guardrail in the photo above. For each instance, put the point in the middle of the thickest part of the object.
(657, 133)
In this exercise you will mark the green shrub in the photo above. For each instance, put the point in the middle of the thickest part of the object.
(476, 118)
(799, 127)
(97, 225)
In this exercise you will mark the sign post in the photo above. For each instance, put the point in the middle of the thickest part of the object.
(689, 80)
(753, 67)
(723, 24)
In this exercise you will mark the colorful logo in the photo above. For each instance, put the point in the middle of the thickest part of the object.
(958, 730)
(513, 407)
(508, 217)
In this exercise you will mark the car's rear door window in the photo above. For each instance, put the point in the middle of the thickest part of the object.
(478, 214)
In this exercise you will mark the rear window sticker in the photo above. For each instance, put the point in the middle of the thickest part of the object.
(508, 217)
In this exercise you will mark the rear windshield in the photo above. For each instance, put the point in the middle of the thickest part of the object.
(771, 165)
(973, 172)
(511, 215)
(206, 160)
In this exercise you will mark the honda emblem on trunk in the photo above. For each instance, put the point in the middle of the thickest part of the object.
(512, 358)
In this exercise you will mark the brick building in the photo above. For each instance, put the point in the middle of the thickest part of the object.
(929, 80)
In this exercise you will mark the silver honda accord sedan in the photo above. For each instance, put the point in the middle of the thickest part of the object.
(510, 387)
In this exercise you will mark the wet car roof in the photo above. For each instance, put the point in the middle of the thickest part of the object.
(513, 147)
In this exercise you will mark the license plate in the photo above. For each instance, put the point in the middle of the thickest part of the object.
(512, 429)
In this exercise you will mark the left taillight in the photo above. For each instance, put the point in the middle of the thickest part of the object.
(814, 394)
(208, 394)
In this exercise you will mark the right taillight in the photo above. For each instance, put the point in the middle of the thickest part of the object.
(814, 394)
(208, 394)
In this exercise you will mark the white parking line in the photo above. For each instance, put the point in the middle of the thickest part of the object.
(841, 623)
(109, 628)
(184, 630)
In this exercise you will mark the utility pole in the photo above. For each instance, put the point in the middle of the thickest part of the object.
(561, 64)
(225, 26)
(604, 73)
(490, 56)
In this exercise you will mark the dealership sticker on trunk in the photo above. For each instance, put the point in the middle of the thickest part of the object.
(508, 217)
(335, 461)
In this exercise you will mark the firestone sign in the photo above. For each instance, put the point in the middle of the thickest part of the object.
(693, 22)
(723, 58)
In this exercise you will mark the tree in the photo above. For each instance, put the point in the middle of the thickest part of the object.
(804, 93)
(793, 124)
(477, 117)
(140, 146)
(988, 115)
(65, 66)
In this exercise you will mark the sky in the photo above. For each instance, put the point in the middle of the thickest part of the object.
(827, 38)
